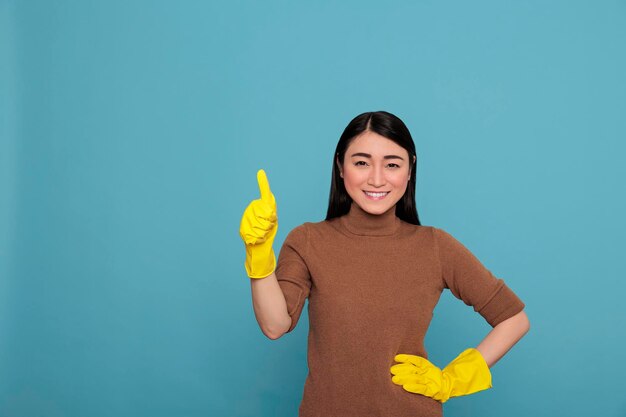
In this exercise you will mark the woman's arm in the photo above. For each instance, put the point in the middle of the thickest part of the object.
(502, 338)
(270, 307)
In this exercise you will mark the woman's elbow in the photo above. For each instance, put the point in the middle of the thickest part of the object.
(272, 335)
(278, 331)
(519, 322)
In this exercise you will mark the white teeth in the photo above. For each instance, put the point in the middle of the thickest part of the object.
(376, 194)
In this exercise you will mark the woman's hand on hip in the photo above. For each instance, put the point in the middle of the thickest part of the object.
(466, 374)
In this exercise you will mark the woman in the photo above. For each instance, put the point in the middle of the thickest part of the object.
(373, 276)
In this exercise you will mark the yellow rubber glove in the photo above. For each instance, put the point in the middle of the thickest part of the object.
(466, 374)
(258, 228)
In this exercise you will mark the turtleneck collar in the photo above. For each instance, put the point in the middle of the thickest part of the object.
(360, 222)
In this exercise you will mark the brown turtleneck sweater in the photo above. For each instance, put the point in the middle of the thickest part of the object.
(373, 282)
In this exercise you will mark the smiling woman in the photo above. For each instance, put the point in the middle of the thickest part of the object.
(371, 180)
(373, 276)
(375, 153)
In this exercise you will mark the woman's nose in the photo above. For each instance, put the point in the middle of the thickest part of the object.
(377, 177)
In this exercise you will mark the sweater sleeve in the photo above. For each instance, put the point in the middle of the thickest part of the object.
(469, 280)
(292, 272)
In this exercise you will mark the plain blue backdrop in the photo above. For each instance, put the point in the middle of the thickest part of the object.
(131, 134)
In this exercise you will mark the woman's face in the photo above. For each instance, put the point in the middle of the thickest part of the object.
(375, 164)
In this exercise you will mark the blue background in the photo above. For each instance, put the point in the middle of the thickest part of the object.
(131, 133)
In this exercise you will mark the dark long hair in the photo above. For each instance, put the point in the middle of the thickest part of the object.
(392, 128)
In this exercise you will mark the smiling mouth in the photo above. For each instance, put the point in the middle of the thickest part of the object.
(376, 195)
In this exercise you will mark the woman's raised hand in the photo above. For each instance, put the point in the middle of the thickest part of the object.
(258, 228)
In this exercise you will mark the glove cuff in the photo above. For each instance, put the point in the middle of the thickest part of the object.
(468, 373)
(260, 263)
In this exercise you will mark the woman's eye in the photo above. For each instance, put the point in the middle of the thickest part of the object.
(363, 163)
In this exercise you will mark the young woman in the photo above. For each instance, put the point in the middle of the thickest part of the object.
(373, 276)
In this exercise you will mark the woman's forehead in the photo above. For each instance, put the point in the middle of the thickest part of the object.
(374, 144)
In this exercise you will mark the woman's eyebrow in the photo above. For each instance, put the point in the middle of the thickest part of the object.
(384, 157)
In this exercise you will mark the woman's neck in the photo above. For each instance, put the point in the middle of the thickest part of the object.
(361, 222)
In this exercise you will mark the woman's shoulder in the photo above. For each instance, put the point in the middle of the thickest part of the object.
(316, 229)
(320, 226)
(308, 227)
(416, 229)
